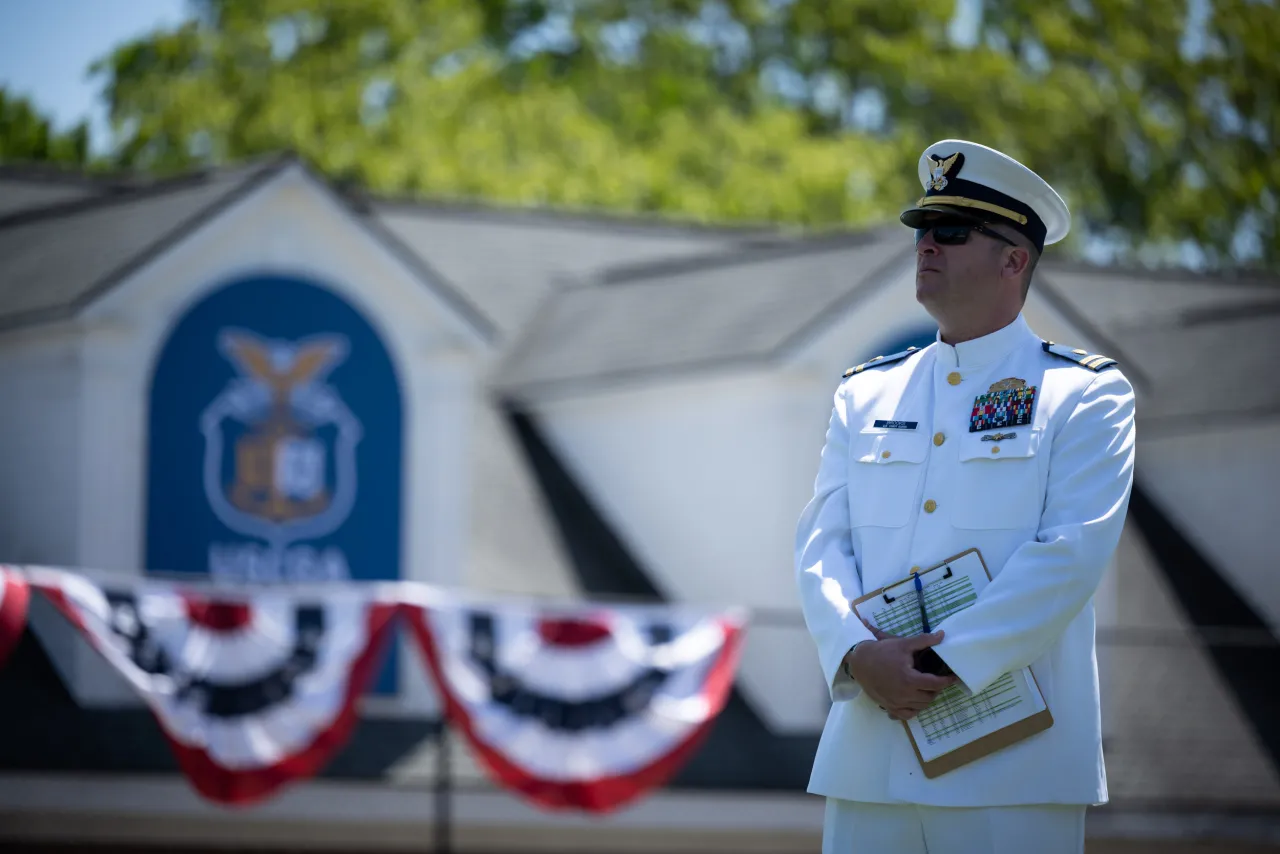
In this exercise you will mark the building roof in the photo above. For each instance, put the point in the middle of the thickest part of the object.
(19, 194)
(741, 305)
(509, 260)
(26, 186)
(68, 236)
(1167, 329)
(74, 239)
(58, 257)
(749, 302)
(578, 298)
(1216, 373)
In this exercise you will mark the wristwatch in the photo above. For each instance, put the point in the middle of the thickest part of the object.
(844, 662)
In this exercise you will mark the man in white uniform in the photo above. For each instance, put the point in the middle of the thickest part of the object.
(989, 438)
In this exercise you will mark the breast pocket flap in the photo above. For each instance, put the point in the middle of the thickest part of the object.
(1017, 443)
(889, 447)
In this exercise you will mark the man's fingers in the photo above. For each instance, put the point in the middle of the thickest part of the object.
(917, 702)
(879, 635)
(928, 682)
(919, 642)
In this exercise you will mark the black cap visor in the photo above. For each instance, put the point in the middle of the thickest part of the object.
(941, 214)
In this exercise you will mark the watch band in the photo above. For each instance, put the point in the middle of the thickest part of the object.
(844, 662)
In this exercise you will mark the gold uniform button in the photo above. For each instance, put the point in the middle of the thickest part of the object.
(1080, 352)
(938, 438)
(930, 506)
(995, 449)
(954, 378)
(885, 455)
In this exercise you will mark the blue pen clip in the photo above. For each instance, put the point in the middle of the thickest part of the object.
(924, 618)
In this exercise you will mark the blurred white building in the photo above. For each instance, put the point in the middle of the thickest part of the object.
(581, 407)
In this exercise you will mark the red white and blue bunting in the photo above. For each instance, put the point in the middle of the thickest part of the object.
(570, 706)
(251, 692)
(13, 610)
(580, 709)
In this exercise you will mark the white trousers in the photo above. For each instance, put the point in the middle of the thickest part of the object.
(851, 827)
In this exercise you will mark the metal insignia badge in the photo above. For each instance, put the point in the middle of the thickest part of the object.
(1007, 403)
(940, 167)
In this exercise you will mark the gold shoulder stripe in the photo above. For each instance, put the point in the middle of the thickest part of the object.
(880, 361)
(1092, 361)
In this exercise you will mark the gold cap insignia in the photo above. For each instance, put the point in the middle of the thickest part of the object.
(941, 168)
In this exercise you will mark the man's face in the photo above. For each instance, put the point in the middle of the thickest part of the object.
(951, 276)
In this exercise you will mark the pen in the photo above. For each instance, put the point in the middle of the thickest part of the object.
(924, 618)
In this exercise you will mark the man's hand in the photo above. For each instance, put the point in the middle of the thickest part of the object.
(885, 668)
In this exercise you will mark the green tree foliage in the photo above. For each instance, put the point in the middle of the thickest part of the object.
(27, 136)
(1157, 119)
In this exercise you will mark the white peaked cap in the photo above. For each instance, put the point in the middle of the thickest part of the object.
(971, 181)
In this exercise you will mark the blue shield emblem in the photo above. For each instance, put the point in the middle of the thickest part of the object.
(280, 443)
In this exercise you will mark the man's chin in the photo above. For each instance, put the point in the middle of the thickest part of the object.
(928, 287)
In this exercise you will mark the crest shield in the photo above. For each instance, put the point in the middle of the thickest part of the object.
(280, 461)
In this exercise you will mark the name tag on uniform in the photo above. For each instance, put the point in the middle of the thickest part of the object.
(896, 425)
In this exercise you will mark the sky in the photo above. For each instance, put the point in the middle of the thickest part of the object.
(46, 47)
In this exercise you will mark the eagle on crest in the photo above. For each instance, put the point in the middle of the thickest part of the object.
(938, 171)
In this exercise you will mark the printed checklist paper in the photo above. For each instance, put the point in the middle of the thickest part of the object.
(958, 727)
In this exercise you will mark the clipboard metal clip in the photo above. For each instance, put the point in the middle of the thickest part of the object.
(889, 599)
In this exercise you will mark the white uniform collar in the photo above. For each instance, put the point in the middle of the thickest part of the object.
(985, 350)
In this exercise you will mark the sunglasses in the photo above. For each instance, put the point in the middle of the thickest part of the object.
(956, 235)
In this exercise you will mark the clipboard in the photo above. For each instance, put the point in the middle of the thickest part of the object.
(984, 745)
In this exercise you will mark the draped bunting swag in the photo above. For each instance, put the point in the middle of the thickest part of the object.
(570, 706)
(13, 610)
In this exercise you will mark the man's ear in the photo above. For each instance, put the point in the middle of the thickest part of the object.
(1016, 261)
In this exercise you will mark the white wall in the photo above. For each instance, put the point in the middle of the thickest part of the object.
(40, 453)
(699, 477)
(291, 225)
(39, 446)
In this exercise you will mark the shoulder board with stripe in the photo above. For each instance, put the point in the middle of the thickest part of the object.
(1092, 361)
(881, 360)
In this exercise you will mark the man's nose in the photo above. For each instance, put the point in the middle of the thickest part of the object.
(926, 244)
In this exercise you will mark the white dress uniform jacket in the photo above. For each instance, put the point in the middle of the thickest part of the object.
(1045, 508)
